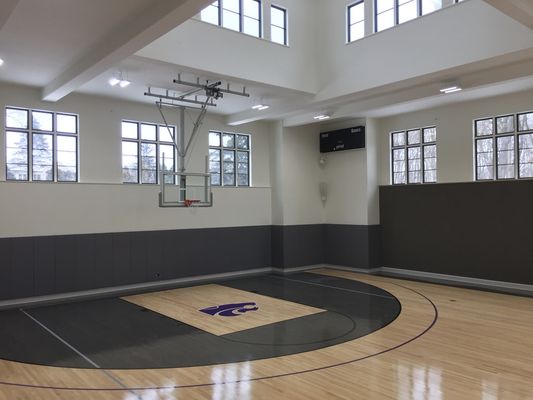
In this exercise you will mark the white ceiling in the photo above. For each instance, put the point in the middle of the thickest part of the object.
(521, 10)
(40, 38)
(77, 45)
(144, 73)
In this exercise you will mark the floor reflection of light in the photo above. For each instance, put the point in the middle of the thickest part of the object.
(239, 374)
(152, 394)
(490, 390)
(419, 382)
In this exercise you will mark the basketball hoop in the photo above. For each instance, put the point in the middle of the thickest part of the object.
(189, 202)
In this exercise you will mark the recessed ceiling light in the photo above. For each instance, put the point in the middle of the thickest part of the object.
(321, 117)
(114, 81)
(260, 107)
(1, 62)
(451, 89)
(119, 78)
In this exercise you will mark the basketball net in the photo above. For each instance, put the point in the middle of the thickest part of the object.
(189, 202)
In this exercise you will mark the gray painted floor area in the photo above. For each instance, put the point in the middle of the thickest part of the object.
(115, 334)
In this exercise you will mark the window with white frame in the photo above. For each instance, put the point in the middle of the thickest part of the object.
(393, 12)
(238, 15)
(211, 13)
(278, 25)
(41, 146)
(503, 147)
(229, 159)
(356, 21)
(147, 149)
(414, 156)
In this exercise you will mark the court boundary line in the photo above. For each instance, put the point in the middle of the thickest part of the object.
(79, 353)
(391, 297)
(237, 381)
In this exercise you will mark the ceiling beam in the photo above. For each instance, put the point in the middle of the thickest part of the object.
(520, 10)
(477, 77)
(158, 19)
(6, 8)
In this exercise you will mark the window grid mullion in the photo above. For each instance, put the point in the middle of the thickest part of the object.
(139, 159)
(476, 163)
(375, 16)
(157, 152)
(235, 162)
(55, 172)
(406, 158)
(221, 150)
(494, 157)
(220, 12)
(30, 151)
(516, 156)
(408, 170)
(241, 16)
(422, 158)
(259, 18)
(221, 163)
(393, 180)
(285, 27)
(348, 14)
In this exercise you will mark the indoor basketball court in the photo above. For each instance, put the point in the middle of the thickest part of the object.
(302, 334)
(263, 200)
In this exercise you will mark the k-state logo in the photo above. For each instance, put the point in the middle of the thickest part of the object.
(230, 310)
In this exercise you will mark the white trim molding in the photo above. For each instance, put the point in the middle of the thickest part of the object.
(128, 289)
(463, 281)
(471, 283)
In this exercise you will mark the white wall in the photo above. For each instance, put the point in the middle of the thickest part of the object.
(454, 132)
(451, 37)
(350, 183)
(100, 202)
(318, 59)
(276, 172)
(301, 176)
(224, 52)
(39, 209)
(353, 177)
(346, 175)
(373, 169)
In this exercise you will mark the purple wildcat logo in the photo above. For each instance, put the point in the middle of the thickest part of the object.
(230, 310)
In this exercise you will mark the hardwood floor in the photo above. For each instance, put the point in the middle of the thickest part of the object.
(447, 344)
(197, 297)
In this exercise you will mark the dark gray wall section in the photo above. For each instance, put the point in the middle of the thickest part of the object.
(297, 245)
(33, 266)
(346, 245)
(480, 230)
(352, 245)
(36, 266)
(5, 268)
